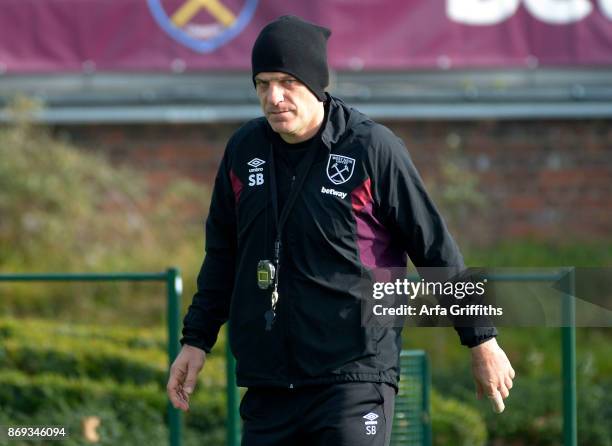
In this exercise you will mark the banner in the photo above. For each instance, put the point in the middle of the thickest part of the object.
(39, 36)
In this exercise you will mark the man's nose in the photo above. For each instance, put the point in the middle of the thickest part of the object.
(275, 94)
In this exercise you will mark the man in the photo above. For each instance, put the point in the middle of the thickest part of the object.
(306, 199)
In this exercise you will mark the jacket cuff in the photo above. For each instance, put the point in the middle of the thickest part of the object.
(473, 336)
(195, 342)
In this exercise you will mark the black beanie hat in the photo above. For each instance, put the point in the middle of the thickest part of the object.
(296, 47)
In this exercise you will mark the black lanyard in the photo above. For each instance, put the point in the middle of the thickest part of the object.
(297, 184)
(281, 219)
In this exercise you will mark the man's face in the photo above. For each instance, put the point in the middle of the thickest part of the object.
(292, 110)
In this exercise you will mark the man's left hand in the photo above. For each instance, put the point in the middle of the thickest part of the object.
(493, 373)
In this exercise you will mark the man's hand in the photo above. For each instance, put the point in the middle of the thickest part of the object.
(492, 372)
(184, 375)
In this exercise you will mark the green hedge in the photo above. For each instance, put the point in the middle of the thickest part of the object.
(540, 253)
(68, 209)
(533, 414)
(26, 397)
(455, 423)
(132, 414)
(96, 360)
(39, 329)
(44, 347)
(52, 367)
(57, 372)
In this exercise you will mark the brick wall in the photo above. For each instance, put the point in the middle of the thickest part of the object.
(544, 179)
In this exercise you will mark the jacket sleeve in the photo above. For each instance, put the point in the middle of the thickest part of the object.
(209, 309)
(412, 217)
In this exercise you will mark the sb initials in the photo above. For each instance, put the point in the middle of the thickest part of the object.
(256, 179)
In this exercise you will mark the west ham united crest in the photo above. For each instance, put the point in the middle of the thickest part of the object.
(203, 25)
(340, 168)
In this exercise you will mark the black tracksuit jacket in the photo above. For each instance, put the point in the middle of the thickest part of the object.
(361, 206)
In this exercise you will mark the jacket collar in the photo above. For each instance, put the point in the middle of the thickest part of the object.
(336, 121)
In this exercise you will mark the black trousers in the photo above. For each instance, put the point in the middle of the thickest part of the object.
(341, 414)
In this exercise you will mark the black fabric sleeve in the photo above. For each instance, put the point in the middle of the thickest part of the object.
(209, 309)
(412, 217)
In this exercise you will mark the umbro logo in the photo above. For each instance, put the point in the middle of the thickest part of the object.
(370, 424)
(256, 178)
(256, 162)
(371, 416)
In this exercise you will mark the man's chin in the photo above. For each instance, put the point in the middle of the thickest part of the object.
(280, 127)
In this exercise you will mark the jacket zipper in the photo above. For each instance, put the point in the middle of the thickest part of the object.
(287, 322)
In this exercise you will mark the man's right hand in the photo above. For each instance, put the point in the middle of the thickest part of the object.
(184, 375)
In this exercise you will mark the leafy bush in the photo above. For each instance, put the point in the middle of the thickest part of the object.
(64, 209)
(456, 191)
(94, 359)
(54, 373)
(40, 330)
(595, 413)
(537, 253)
(533, 414)
(130, 414)
(33, 346)
(456, 423)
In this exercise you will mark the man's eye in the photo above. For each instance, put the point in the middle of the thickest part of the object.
(289, 81)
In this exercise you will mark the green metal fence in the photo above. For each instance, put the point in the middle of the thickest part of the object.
(412, 421)
(174, 286)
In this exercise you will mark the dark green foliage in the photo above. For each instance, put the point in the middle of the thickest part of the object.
(533, 415)
(540, 254)
(53, 373)
(70, 210)
(129, 414)
(456, 423)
